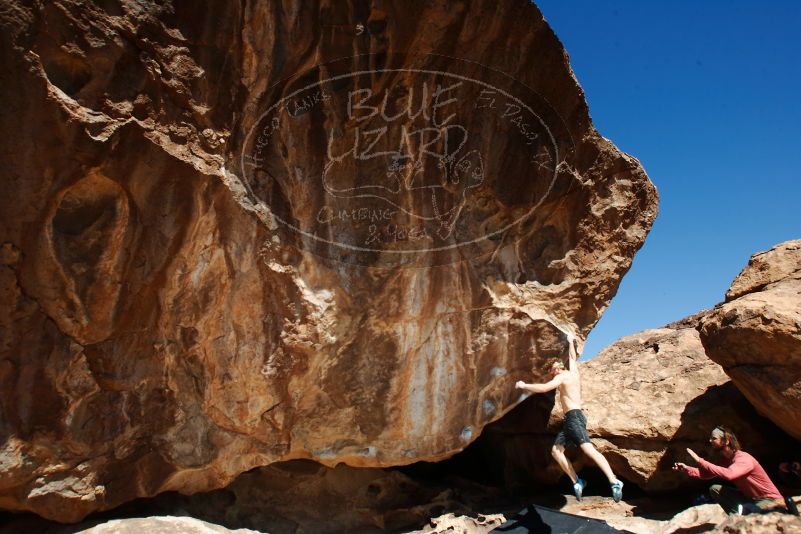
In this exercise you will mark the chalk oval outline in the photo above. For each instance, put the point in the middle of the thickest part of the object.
(519, 220)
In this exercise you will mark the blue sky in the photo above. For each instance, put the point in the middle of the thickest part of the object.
(706, 96)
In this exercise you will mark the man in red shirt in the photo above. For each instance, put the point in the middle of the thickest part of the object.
(755, 491)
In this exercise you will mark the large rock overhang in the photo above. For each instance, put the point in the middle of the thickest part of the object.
(190, 294)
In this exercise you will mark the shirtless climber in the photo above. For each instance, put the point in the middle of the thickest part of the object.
(574, 429)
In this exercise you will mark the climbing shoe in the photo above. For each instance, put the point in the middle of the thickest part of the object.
(578, 488)
(617, 490)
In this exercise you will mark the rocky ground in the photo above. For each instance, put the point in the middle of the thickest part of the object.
(635, 516)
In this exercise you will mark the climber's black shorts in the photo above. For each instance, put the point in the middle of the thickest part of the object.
(574, 429)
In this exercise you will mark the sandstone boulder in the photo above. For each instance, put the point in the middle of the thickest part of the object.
(224, 246)
(647, 398)
(755, 335)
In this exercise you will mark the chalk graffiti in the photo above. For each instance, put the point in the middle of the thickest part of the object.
(405, 150)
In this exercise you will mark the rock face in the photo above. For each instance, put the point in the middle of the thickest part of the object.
(755, 335)
(647, 398)
(220, 247)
